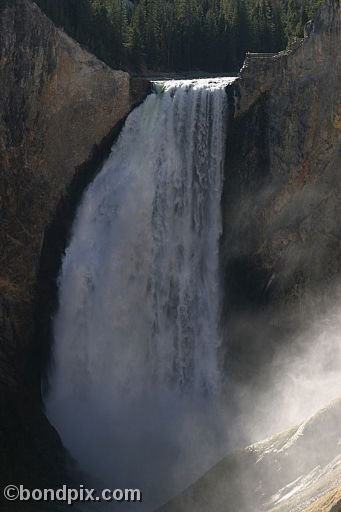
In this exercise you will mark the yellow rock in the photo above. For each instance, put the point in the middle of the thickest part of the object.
(330, 502)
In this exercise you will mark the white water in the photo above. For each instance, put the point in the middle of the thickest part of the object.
(135, 379)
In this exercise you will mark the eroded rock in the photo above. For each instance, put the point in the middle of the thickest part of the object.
(57, 103)
(282, 206)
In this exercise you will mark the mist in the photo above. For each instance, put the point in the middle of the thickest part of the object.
(303, 377)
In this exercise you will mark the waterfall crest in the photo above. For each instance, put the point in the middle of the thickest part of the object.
(137, 331)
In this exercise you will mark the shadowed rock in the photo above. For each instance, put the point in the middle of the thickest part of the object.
(57, 103)
(281, 203)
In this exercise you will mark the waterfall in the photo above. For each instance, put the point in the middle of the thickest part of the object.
(135, 374)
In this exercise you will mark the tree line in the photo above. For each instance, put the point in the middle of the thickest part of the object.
(178, 35)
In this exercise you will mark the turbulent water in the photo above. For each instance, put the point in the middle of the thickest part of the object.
(135, 378)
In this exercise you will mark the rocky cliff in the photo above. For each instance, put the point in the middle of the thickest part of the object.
(282, 209)
(59, 108)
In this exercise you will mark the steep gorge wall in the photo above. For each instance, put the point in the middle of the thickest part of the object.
(58, 104)
(282, 206)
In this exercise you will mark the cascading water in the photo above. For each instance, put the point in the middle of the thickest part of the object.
(135, 379)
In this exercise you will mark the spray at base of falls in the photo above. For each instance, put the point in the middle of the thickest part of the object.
(135, 380)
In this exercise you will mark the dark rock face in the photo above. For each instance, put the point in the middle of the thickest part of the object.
(282, 207)
(57, 104)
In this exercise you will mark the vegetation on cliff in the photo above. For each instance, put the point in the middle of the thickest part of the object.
(211, 35)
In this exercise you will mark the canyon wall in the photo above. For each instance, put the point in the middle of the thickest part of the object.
(281, 206)
(60, 108)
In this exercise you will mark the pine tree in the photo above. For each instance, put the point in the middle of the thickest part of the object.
(293, 20)
(212, 35)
